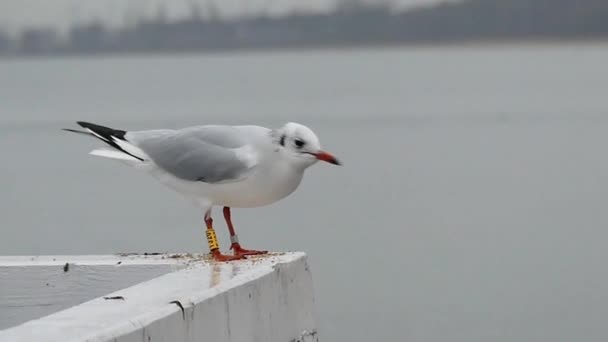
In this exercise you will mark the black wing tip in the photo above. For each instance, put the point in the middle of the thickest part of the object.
(104, 131)
(107, 135)
(88, 125)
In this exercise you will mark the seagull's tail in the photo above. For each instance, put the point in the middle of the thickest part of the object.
(123, 149)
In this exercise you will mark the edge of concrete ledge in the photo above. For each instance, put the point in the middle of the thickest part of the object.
(265, 299)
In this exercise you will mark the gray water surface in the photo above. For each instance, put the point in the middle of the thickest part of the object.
(470, 207)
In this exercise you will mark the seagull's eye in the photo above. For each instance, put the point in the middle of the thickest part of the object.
(299, 143)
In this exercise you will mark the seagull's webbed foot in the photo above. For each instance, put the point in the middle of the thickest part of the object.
(240, 251)
(218, 256)
(235, 246)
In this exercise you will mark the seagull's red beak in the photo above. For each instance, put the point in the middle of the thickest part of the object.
(327, 157)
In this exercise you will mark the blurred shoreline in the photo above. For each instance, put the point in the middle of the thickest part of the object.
(378, 47)
(471, 22)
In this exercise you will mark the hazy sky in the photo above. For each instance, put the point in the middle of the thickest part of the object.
(15, 14)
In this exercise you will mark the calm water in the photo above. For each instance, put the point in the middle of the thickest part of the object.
(471, 207)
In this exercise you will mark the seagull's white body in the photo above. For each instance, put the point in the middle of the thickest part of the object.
(272, 179)
(231, 166)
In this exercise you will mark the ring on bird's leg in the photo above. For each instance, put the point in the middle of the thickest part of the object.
(212, 239)
(234, 239)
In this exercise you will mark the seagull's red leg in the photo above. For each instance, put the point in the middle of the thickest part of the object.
(214, 245)
(234, 239)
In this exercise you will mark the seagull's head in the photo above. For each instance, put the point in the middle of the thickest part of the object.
(301, 145)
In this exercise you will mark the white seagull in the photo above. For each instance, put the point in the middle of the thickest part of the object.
(213, 165)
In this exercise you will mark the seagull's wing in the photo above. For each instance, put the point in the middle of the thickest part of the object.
(210, 154)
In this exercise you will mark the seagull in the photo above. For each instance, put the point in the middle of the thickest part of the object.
(218, 165)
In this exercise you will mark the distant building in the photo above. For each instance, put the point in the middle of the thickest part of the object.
(6, 44)
(38, 41)
(88, 38)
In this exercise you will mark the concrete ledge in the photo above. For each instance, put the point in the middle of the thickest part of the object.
(264, 299)
(33, 287)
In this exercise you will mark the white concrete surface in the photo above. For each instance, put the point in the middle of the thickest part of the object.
(33, 287)
(265, 299)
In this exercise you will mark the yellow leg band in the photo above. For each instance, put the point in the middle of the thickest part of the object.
(212, 239)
